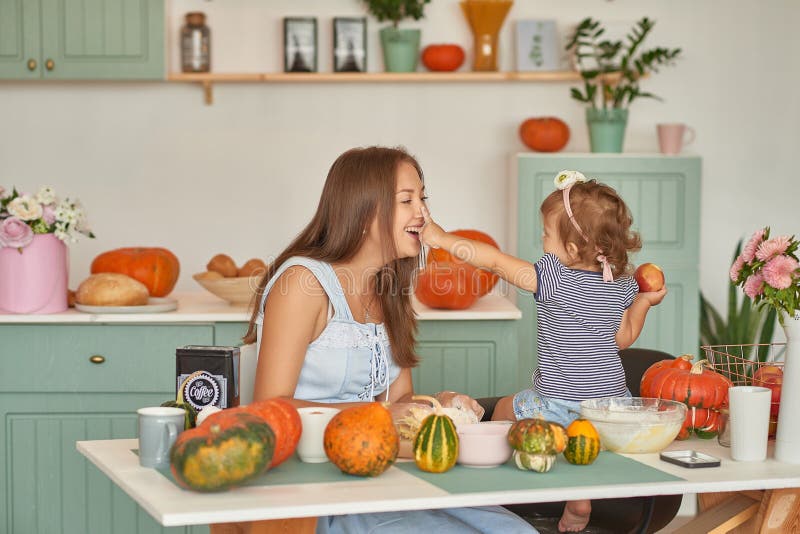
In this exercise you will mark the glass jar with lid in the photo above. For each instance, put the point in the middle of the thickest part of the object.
(195, 44)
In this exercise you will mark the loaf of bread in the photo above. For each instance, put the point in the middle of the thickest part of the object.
(111, 289)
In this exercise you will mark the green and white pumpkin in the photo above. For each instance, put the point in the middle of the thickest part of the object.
(536, 443)
(436, 443)
(541, 463)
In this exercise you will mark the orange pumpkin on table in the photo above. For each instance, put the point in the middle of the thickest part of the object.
(157, 268)
(285, 422)
(362, 440)
(700, 388)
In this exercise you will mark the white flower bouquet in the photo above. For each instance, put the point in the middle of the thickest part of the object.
(23, 215)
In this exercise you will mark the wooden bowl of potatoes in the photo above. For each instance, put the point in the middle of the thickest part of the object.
(233, 284)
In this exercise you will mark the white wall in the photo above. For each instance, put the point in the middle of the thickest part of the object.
(154, 166)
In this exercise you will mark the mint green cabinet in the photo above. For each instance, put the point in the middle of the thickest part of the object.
(82, 39)
(61, 383)
(52, 394)
(663, 194)
(476, 357)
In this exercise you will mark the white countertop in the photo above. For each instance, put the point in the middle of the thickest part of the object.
(204, 307)
(399, 490)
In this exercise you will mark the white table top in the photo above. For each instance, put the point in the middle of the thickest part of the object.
(205, 307)
(398, 490)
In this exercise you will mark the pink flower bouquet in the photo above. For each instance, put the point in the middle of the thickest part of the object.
(23, 215)
(769, 272)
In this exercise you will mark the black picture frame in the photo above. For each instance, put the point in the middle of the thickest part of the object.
(300, 44)
(350, 44)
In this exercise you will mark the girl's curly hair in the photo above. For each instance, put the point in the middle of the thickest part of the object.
(604, 218)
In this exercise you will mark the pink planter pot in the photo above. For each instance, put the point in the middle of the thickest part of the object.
(35, 280)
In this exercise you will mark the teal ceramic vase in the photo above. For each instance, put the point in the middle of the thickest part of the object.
(606, 129)
(400, 49)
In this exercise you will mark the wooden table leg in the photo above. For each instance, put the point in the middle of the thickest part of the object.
(301, 525)
(723, 513)
(779, 512)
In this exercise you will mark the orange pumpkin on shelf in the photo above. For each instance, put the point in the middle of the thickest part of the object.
(157, 268)
(483, 281)
(447, 285)
(443, 57)
(544, 134)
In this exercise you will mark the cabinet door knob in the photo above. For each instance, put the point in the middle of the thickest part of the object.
(97, 359)
(50, 64)
(31, 64)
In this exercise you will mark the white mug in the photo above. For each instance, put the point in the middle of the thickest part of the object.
(749, 421)
(158, 429)
(311, 448)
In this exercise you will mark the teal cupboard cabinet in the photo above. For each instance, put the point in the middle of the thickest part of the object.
(62, 383)
(67, 382)
(663, 194)
(82, 39)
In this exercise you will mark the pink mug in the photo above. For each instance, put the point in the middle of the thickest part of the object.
(672, 137)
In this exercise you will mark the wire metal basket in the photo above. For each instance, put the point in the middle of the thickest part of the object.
(740, 362)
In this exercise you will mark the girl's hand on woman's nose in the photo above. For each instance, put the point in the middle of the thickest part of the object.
(431, 232)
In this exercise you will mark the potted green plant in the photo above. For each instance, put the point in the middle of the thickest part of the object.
(611, 71)
(400, 47)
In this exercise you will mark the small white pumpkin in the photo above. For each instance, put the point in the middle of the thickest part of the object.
(540, 463)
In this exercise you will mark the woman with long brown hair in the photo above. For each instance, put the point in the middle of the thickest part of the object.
(334, 323)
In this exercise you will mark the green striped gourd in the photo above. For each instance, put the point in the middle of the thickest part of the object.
(583, 442)
(436, 444)
(536, 443)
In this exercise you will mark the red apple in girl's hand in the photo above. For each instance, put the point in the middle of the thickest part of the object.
(649, 277)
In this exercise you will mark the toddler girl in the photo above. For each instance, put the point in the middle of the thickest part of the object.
(588, 306)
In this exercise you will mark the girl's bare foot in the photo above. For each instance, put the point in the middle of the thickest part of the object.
(576, 516)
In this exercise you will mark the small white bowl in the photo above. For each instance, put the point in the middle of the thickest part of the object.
(484, 444)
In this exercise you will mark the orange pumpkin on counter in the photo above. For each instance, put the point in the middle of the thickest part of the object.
(544, 134)
(483, 281)
(447, 285)
(157, 268)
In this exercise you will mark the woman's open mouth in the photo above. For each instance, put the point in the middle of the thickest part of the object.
(413, 232)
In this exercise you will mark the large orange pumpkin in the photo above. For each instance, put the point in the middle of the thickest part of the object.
(362, 440)
(483, 281)
(442, 57)
(284, 420)
(683, 361)
(701, 421)
(697, 387)
(701, 389)
(447, 285)
(157, 268)
(544, 134)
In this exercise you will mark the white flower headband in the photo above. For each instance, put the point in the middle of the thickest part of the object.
(564, 181)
